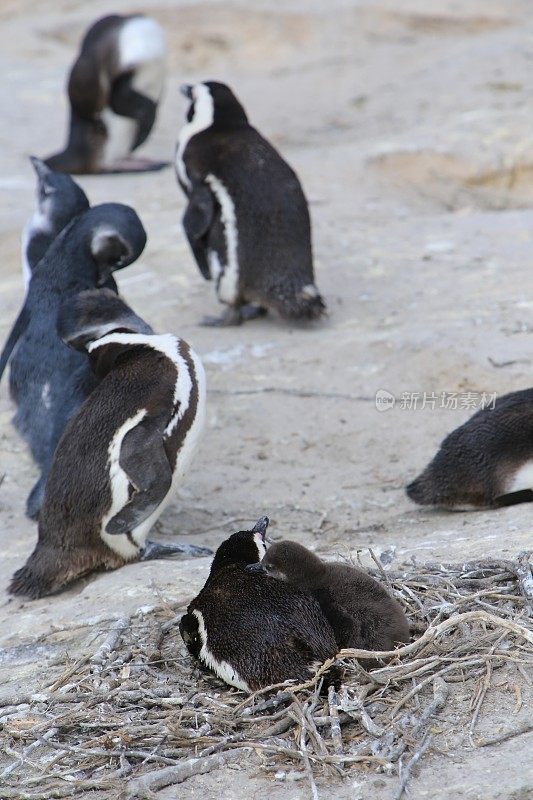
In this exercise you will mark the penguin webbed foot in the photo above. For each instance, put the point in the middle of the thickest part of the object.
(134, 164)
(156, 550)
(253, 311)
(231, 317)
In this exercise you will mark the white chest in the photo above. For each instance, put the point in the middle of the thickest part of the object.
(223, 669)
(202, 119)
(38, 223)
(522, 479)
(119, 485)
(121, 133)
(228, 273)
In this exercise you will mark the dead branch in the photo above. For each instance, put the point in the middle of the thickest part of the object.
(152, 781)
(525, 578)
(336, 733)
(405, 772)
(139, 704)
(525, 727)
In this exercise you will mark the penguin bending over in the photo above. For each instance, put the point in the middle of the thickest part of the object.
(485, 463)
(123, 453)
(48, 380)
(253, 631)
(361, 612)
(59, 199)
(114, 88)
(247, 220)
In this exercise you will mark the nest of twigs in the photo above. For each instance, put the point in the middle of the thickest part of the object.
(137, 714)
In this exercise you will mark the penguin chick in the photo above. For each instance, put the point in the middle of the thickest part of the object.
(59, 199)
(251, 630)
(124, 452)
(49, 381)
(247, 219)
(485, 463)
(114, 88)
(359, 609)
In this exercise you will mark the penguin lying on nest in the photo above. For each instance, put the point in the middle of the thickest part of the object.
(253, 631)
(485, 463)
(361, 612)
(247, 219)
(48, 381)
(59, 200)
(124, 452)
(114, 88)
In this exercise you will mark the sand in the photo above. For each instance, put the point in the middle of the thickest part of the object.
(409, 124)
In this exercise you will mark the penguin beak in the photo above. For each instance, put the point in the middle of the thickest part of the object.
(186, 90)
(261, 526)
(40, 167)
(256, 568)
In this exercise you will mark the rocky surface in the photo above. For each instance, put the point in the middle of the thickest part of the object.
(410, 126)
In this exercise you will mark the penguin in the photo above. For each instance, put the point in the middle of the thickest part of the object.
(485, 463)
(247, 220)
(59, 199)
(48, 380)
(123, 453)
(250, 630)
(359, 609)
(114, 88)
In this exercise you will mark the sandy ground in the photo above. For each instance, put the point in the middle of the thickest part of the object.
(409, 123)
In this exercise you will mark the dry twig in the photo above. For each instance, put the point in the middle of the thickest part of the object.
(139, 702)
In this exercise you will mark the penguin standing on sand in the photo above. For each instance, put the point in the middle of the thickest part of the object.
(59, 199)
(114, 88)
(48, 380)
(123, 453)
(361, 612)
(251, 630)
(485, 463)
(247, 219)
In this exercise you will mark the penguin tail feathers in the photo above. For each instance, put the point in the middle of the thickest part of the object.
(419, 492)
(41, 575)
(455, 492)
(26, 583)
(306, 304)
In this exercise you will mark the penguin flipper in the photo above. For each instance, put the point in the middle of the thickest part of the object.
(197, 220)
(343, 625)
(21, 323)
(127, 102)
(189, 630)
(144, 460)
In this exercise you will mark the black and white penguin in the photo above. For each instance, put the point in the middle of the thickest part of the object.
(247, 219)
(485, 463)
(114, 88)
(48, 380)
(360, 610)
(59, 200)
(250, 630)
(123, 453)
